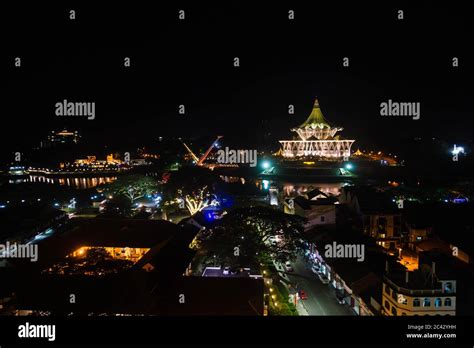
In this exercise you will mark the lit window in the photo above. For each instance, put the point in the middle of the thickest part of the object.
(438, 302)
(426, 302)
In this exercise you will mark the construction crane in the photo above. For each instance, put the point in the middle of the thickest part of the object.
(200, 161)
(195, 158)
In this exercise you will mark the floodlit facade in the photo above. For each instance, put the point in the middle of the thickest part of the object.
(317, 138)
(118, 253)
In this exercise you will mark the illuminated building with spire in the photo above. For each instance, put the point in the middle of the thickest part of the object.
(317, 138)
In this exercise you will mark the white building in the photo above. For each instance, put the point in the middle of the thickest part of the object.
(317, 139)
(418, 293)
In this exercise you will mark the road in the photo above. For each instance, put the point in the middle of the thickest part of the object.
(321, 298)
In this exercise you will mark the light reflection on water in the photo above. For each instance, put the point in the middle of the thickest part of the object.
(75, 182)
(293, 188)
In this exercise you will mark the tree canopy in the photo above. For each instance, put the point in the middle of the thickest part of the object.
(248, 236)
(133, 186)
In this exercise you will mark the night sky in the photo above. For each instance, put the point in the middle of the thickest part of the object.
(190, 62)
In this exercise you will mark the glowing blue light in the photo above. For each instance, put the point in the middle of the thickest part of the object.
(348, 166)
(460, 200)
(265, 165)
(56, 204)
(3, 206)
(265, 183)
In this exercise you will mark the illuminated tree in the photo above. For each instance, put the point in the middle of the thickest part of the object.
(133, 187)
(191, 189)
(199, 200)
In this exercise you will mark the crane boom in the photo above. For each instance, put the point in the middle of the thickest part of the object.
(195, 158)
(203, 158)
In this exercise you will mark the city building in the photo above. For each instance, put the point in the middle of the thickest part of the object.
(317, 138)
(355, 283)
(425, 291)
(16, 170)
(380, 217)
(418, 225)
(157, 281)
(443, 247)
(63, 137)
(92, 164)
(317, 207)
(417, 234)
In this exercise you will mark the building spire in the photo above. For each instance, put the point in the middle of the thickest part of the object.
(316, 118)
(316, 103)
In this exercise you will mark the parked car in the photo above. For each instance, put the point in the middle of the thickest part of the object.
(288, 266)
(323, 278)
(226, 270)
(303, 295)
(316, 269)
(340, 298)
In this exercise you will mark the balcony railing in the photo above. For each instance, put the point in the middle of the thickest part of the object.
(406, 291)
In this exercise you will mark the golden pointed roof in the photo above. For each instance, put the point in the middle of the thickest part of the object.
(316, 118)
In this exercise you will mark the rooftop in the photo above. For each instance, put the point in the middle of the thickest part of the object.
(139, 292)
(106, 232)
(315, 119)
(371, 201)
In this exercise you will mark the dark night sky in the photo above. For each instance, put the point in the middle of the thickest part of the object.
(282, 62)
